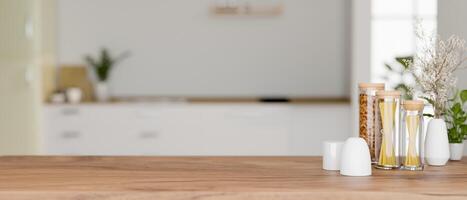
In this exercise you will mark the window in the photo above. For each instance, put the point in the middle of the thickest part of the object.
(393, 32)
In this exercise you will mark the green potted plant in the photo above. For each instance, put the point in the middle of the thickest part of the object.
(399, 76)
(102, 66)
(456, 117)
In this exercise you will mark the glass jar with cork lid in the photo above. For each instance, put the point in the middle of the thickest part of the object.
(411, 135)
(388, 109)
(367, 115)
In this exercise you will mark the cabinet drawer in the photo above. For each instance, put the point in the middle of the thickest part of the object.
(142, 142)
(66, 142)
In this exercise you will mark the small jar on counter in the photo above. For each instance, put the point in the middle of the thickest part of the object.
(367, 112)
(411, 135)
(388, 140)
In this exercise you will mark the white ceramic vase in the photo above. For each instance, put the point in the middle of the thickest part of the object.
(457, 150)
(74, 95)
(102, 91)
(436, 143)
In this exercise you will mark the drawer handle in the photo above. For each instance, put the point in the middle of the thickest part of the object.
(70, 111)
(148, 115)
(70, 134)
(148, 134)
(246, 114)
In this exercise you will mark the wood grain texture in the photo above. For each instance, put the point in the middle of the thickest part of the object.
(83, 177)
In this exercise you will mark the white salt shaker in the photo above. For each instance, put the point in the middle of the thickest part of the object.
(355, 160)
(332, 155)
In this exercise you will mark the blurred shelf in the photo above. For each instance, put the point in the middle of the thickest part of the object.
(248, 10)
(155, 99)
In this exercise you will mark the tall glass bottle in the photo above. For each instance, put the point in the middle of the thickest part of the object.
(411, 135)
(388, 141)
(367, 115)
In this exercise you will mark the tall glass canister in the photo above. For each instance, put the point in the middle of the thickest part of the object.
(388, 111)
(367, 115)
(411, 135)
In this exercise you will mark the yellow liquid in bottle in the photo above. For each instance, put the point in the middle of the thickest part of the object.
(387, 156)
(412, 159)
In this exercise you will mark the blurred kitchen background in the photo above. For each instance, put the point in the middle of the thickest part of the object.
(200, 77)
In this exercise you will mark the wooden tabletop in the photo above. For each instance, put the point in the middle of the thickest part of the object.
(209, 178)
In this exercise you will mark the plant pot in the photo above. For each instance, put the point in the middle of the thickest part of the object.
(436, 143)
(102, 92)
(457, 150)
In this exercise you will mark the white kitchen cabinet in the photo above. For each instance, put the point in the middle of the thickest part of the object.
(192, 129)
(313, 124)
(248, 129)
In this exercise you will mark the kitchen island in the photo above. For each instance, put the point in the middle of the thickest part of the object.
(206, 178)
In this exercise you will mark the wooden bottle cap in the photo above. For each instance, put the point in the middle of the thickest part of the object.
(379, 86)
(388, 93)
(413, 105)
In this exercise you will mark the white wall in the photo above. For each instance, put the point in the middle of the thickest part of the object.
(360, 55)
(451, 20)
(179, 48)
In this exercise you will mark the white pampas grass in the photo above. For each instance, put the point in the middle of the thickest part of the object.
(434, 66)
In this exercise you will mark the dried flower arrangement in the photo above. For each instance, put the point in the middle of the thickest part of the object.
(433, 68)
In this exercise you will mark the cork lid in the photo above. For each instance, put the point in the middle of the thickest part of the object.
(413, 105)
(388, 93)
(372, 85)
